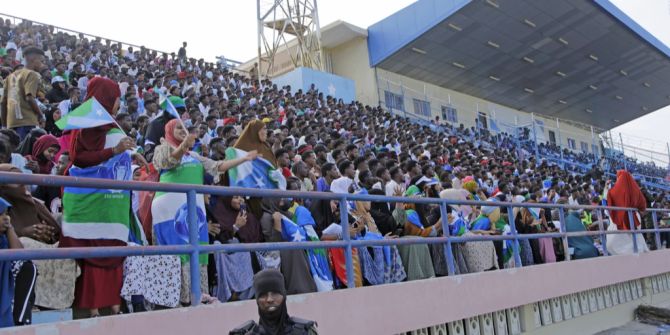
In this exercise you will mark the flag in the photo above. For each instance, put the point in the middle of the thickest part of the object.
(458, 227)
(535, 212)
(88, 115)
(258, 173)
(303, 231)
(167, 105)
(91, 213)
(169, 211)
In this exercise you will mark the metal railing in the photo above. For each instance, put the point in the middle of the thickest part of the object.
(194, 249)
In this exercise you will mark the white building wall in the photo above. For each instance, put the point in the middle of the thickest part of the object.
(468, 107)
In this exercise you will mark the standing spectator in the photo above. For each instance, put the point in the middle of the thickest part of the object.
(19, 107)
(182, 52)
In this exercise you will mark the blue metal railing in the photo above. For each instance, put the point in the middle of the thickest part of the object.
(194, 249)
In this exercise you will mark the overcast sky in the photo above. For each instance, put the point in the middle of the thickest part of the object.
(228, 28)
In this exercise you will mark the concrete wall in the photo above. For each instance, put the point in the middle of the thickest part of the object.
(388, 309)
(350, 60)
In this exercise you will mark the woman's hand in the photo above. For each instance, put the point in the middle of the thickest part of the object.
(241, 220)
(124, 144)
(32, 166)
(188, 142)
(39, 231)
(276, 217)
(251, 155)
(390, 236)
(141, 161)
(213, 228)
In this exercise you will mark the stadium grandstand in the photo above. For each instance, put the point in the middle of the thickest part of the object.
(450, 169)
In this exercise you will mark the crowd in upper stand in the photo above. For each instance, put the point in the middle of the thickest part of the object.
(318, 143)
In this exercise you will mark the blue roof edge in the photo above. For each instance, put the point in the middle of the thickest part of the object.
(377, 56)
(618, 14)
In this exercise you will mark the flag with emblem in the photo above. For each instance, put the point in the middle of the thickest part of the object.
(92, 213)
(90, 114)
(258, 173)
(301, 229)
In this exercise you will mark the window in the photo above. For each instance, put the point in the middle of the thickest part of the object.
(421, 107)
(585, 147)
(552, 137)
(449, 114)
(572, 144)
(483, 122)
(394, 101)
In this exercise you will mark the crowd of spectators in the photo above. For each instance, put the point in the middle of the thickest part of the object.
(318, 142)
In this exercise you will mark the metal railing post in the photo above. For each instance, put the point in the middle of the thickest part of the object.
(564, 237)
(515, 247)
(632, 229)
(448, 252)
(657, 234)
(603, 236)
(193, 236)
(344, 221)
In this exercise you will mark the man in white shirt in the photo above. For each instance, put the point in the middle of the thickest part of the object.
(65, 106)
(396, 183)
(83, 81)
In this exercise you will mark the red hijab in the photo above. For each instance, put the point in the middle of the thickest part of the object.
(43, 143)
(106, 91)
(625, 193)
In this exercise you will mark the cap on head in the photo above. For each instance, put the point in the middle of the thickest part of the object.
(269, 280)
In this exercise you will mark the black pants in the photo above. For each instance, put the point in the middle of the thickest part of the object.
(24, 293)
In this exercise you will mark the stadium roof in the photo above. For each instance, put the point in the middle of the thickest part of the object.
(579, 60)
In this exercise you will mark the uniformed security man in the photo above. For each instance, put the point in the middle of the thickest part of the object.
(274, 318)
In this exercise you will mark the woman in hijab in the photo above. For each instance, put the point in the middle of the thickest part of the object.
(254, 138)
(236, 222)
(44, 150)
(52, 115)
(415, 257)
(380, 265)
(625, 193)
(178, 164)
(292, 263)
(101, 278)
(234, 272)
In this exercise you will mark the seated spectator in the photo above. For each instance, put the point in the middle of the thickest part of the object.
(581, 246)
(44, 151)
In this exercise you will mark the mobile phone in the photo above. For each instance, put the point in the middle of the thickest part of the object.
(243, 207)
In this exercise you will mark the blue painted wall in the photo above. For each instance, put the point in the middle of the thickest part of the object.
(392, 33)
(328, 83)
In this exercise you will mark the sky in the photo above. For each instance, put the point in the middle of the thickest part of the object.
(228, 28)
